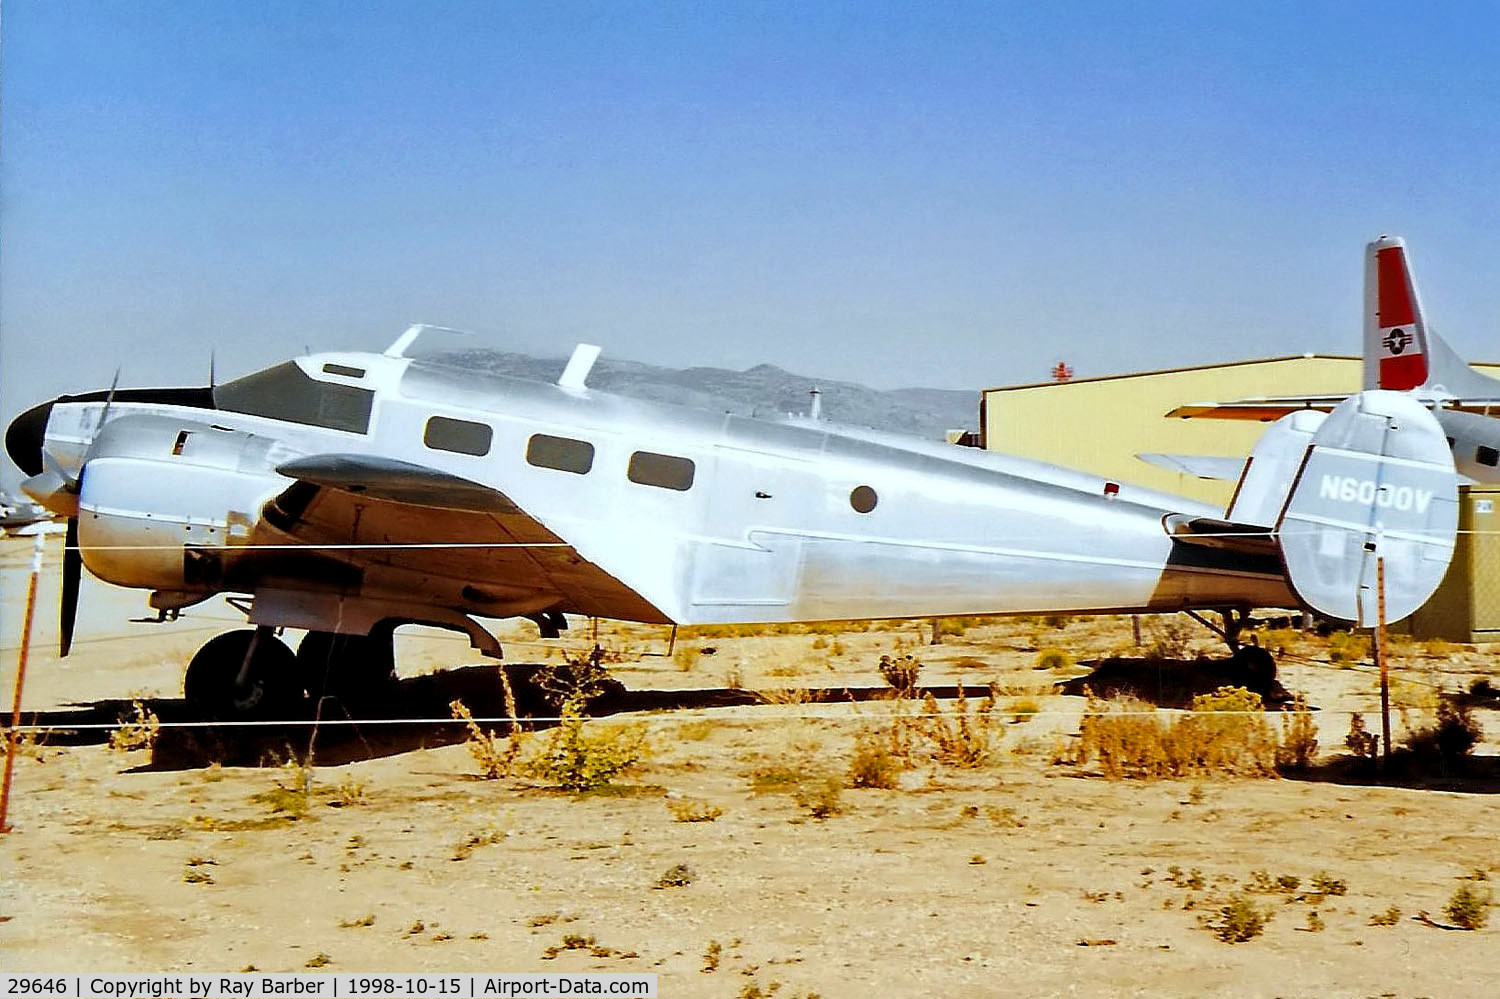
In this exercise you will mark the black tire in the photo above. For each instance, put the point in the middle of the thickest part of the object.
(356, 669)
(269, 691)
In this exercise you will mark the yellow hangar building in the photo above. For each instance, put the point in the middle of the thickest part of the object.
(1101, 424)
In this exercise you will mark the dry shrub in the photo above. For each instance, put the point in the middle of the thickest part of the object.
(966, 739)
(580, 679)
(688, 810)
(785, 695)
(291, 792)
(1279, 640)
(1239, 920)
(493, 761)
(874, 763)
(823, 799)
(464, 848)
(139, 731)
(1022, 709)
(1454, 736)
(348, 794)
(1168, 639)
(1299, 737)
(1361, 741)
(580, 759)
(1053, 659)
(901, 673)
(1225, 734)
(1469, 908)
(1348, 647)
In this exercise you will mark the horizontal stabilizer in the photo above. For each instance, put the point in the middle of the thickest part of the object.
(1203, 466)
(1206, 532)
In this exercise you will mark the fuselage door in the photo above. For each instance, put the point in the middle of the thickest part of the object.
(751, 555)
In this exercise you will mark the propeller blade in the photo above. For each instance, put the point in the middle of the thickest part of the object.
(109, 400)
(72, 571)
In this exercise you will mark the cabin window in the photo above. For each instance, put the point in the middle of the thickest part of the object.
(863, 499)
(561, 453)
(343, 369)
(461, 436)
(664, 471)
(1487, 456)
(285, 392)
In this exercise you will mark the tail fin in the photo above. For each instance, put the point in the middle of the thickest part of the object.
(1375, 482)
(1396, 343)
(1401, 351)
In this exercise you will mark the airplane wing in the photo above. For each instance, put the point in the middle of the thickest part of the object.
(1269, 409)
(1261, 410)
(429, 537)
(1484, 407)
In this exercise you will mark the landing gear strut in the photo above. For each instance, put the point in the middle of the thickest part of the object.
(1257, 661)
(242, 675)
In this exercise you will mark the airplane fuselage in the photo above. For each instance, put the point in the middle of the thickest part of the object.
(695, 517)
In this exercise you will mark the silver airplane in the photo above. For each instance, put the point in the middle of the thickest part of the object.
(22, 518)
(350, 493)
(1401, 353)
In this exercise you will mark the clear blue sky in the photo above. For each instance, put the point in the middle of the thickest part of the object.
(952, 194)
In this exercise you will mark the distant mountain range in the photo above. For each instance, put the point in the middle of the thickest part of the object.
(764, 390)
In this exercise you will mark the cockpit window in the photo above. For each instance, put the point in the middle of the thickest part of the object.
(285, 392)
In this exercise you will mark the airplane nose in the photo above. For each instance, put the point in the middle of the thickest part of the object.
(24, 438)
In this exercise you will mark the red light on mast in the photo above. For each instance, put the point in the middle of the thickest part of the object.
(1062, 372)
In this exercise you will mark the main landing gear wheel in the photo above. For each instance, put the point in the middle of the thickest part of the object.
(359, 670)
(242, 676)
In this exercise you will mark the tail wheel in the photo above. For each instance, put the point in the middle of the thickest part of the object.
(354, 668)
(242, 675)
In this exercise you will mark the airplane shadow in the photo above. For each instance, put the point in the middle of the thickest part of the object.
(1466, 775)
(414, 714)
(1173, 683)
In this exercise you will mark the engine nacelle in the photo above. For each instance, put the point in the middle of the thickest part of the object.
(156, 490)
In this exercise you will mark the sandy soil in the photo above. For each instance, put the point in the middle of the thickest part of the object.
(1022, 877)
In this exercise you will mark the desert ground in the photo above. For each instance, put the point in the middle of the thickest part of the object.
(735, 860)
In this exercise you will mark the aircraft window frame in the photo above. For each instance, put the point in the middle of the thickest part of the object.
(445, 433)
(1486, 455)
(863, 499)
(561, 454)
(663, 471)
(285, 392)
